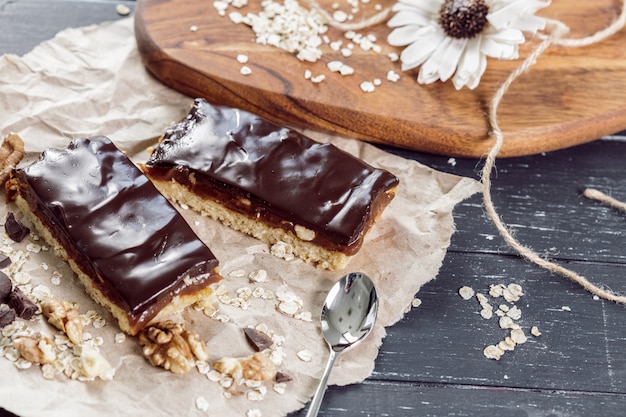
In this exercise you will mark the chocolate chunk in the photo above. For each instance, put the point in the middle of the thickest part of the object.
(4, 261)
(16, 230)
(22, 305)
(5, 287)
(257, 339)
(282, 377)
(7, 315)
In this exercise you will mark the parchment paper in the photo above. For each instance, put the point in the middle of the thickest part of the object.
(90, 81)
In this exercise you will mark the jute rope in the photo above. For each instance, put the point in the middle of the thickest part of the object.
(593, 194)
(555, 36)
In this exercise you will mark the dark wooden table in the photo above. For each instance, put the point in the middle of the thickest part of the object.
(432, 363)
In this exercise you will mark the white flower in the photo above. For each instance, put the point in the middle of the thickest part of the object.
(455, 37)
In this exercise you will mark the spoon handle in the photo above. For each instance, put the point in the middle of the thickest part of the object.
(321, 388)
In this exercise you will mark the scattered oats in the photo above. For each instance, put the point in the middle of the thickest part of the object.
(595, 297)
(346, 70)
(280, 387)
(22, 363)
(566, 308)
(226, 382)
(245, 70)
(202, 404)
(40, 293)
(122, 10)
(99, 323)
(336, 45)
(242, 58)
(377, 81)
(44, 266)
(288, 308)
(346, 52)
(318, 78)
(340, 16)
(258, 292)
(305, 355)
(120, 337)
(368, 86)
(507, 323)
(334, 66)
(416, 302)
(493, 352)
(255, 395)
(258, 276)
(304, 316)
(214, 375)
(184, 206)
(203, 367)
(482, 299)
(55, 279)
(193, 28)
(393, 76)
(486, 313)
(535, 331)
(496, 290)
(500, 313)
(512, 293)
(452, 162)
(504, 307)
(518, 336)
(254, 412)
(307, 74)
(507, 344)
(282, 249)
(235, 17)
(515, 313)
(467, 292)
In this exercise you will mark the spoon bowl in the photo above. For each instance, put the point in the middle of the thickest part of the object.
(348, 316)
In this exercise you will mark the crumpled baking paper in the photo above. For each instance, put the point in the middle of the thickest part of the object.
(90, 81)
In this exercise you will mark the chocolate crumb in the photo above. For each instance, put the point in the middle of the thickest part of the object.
(16, 230)
(4, 261)
(257, 339)
(5, 287)
(282, 377)
(7, 315)
(22, 305)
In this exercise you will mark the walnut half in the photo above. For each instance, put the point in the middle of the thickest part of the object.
(169, 345)
(258, 367)
(64, 316)
(36, 349)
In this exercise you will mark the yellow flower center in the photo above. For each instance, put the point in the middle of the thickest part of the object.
(463, 18)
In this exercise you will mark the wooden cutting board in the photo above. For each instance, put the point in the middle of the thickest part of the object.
(571, 96)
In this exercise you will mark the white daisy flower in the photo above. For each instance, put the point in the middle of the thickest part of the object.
(455, 37)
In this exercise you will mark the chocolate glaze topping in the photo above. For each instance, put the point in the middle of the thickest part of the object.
(117, 226)
(315, 185)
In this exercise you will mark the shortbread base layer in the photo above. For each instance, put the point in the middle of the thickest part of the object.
(307, 251)
(177, 303)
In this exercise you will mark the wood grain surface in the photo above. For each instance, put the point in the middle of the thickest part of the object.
(572, 95)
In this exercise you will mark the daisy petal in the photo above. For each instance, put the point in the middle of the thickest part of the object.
(450, 58)
(408, 17)
(429, 72)
(529, 23)
(498, 50)
(418, 52)
(509, 36)
(427, 7)
(469, 64)
(503, 16)
(404, 36)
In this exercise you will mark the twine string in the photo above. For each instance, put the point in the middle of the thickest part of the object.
(593, 194)
(555, 36)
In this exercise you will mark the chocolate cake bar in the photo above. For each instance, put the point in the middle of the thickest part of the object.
(271, 182)
(131, 249)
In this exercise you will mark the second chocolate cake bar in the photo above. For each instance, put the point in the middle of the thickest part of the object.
(271, 182)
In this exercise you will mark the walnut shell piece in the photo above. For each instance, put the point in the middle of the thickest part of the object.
(64, 316)
(36, 349)
(258, 367)
(169, 345)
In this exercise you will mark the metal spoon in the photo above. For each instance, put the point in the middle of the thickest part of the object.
(348, 316)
